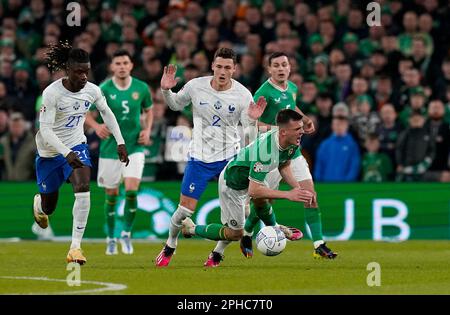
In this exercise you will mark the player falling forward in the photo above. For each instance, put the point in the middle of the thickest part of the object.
(280, 93)
(126, 96)
(62, 150)
(244, 177)
(219, 103)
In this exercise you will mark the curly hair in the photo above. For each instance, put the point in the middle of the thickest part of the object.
(60, 56)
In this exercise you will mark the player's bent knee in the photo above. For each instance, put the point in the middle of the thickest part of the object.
(83, 187)
(235, 235)
(260, 202)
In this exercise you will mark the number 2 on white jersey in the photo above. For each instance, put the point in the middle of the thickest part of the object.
(216, 120)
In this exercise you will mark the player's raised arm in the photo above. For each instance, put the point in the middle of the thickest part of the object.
(175, 101)
(250, 117)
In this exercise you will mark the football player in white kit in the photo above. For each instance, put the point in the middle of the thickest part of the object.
(63, 154)
(219, 103)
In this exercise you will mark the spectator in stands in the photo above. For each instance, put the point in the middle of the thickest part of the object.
(415, 150)
(4, 118)
(338, 149)
(418, 104)
(376, 166)
(364, 121)
(439, 132)
(23, 90)
(388, 131)
(19, 150)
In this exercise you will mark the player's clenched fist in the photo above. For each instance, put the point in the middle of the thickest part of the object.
(123, 154)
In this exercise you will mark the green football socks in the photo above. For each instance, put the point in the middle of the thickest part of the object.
(314, 221)
(110, 211)
(130, 209)
(212, 231)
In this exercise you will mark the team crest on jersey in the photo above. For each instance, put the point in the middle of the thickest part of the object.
(257, 167)
(191, 187)
(231, 108)
(217, 105)
(76, 106)
(294, 96)
(135, 96)
(87, 104)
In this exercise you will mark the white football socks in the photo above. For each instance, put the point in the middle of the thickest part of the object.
(175, 224)
(221, 245)
(80, 213)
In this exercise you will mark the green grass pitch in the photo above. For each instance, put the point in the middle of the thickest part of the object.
(413, 267)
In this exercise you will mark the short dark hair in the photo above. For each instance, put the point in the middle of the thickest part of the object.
(286, 115)
(121, 53)
(276, 55)
(372, 136)
(226, 53)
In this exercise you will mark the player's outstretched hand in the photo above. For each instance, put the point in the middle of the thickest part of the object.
(256, 110)
(308, 125)
(168, 79)
(73, 160)
(102, 131)
(300, 195)
(123, 154)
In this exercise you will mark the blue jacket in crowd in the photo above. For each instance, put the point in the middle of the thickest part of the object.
(337, 160)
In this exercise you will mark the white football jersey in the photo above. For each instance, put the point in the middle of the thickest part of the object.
(216, 116)
(66, 111)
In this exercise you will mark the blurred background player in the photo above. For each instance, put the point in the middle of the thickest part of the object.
(127, 97)
(62, 150)
(244, 177)
(219, 103)
(280, 93)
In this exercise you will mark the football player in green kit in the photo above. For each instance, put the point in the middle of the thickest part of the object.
(127, 97)
(280, 93)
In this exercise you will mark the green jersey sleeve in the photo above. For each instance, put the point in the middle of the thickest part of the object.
(258, 172)
(147, 101)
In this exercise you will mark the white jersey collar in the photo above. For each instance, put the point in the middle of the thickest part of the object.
(120, 88)
(277, 87)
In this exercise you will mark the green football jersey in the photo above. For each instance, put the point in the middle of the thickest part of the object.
(277, 99)
(256, 160)
(126, 106)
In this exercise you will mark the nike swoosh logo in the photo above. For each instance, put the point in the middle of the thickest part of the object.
(80, 227)
(203, 103)
(63, 108)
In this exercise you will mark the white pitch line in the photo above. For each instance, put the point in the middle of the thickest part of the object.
(108, 286)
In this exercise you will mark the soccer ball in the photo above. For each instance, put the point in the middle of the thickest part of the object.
(270, 241)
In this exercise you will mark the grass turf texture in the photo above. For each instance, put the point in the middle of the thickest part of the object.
(413, 267)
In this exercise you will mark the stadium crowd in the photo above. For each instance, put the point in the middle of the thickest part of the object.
(379, 95)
